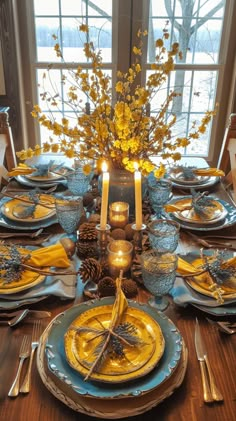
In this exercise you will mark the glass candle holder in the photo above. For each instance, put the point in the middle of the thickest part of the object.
(118, 214)
(119, 256)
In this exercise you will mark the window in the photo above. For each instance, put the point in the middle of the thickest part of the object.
(201, 27)
(197, 27)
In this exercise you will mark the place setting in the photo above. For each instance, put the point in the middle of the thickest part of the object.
(32, 274)
(201, 211)
(29, 210)
(89, 357)
(187, 177)
(39, 175)
(207, 281)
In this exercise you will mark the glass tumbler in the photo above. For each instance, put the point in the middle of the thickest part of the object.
(158, 272)
(163, 235)
(69, 211)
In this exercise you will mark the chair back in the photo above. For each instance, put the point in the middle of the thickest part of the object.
(7, 149)
(227, 150)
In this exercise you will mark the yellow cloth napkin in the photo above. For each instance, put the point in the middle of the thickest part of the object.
(22, 169)
(46, 257)
(216, 172)
(175, 208)
(185, 268)
(54, 255)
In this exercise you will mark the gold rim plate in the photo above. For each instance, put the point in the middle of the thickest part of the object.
(40, 213)
(138, 360)
(201, 284)
(212, 216)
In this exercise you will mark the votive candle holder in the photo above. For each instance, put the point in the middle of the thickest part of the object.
(119, 256)
(118, 214)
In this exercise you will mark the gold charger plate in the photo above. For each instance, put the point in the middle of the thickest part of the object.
(201, 284)
(107, 408)
(40, 213)
(211, 216)
(49, 177)
(138, 360)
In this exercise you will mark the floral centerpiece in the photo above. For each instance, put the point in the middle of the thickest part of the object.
(122, 132)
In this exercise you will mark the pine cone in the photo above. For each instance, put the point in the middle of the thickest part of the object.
(87, 231)
(90, 269)
(87, 249)
(129, 288)
(106, 287)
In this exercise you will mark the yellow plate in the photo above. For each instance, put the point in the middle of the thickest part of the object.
(10, 208)
(211, 215)
(49, 177)
(138, 360)
(202, 282)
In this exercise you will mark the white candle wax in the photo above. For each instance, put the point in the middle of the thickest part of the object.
(138, 200)
(105, 190)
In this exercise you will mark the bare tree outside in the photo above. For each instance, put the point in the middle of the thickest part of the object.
(183, 30)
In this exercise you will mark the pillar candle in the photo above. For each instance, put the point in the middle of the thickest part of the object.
(105, 190)
(138, 200)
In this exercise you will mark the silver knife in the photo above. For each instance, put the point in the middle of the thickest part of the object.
(210, 390)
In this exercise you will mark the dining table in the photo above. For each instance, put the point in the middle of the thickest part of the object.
(183, 401)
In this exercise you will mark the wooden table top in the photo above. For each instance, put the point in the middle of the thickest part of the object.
(186, 403)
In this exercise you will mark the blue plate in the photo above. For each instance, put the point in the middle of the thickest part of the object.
(57, 363)
(229, 220)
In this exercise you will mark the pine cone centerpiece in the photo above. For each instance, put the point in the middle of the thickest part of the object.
(87, 242)
(87, 231)
(90, 270)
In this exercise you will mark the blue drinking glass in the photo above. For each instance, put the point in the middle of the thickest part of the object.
(159, 194)
(69, 211)
(158, 273)
(163, 235)
(78, 183)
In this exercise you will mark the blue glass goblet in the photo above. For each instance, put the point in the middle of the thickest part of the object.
(158, 272)
(159, 194)
(163, 235)
(69, 211)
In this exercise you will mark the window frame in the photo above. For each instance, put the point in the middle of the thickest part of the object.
(129, 16)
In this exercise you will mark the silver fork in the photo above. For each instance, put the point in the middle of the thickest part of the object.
(36, 333)
(23, 354)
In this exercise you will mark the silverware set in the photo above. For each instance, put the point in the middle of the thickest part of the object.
(27, 350)
(211, 392)
(224, 326)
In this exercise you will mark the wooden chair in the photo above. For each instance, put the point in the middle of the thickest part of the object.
(7, 150)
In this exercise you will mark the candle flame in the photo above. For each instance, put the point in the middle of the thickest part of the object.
(104, 167)
(136, 166)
